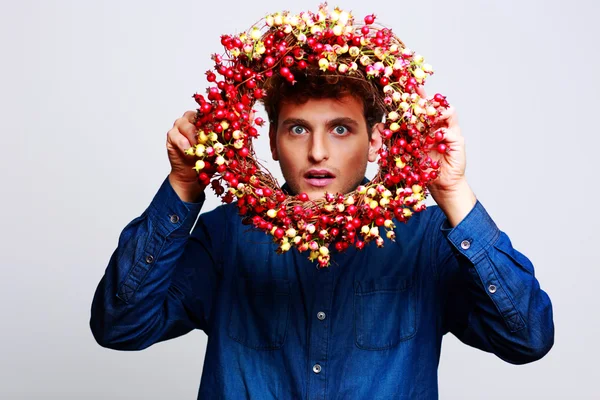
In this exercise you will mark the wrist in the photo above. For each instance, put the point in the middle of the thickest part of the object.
(189, 192)
(456, 202)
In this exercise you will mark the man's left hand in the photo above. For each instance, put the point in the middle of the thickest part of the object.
(450, 189)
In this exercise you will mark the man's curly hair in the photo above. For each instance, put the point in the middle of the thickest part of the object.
(313, 84)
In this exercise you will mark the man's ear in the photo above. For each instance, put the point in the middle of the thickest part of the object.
(273, 141)
(376, 141)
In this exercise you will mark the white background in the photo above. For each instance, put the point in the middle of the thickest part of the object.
(88, 90)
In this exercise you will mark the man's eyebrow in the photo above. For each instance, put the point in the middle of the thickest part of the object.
(330, 123)
(343, 121)
(295, 121)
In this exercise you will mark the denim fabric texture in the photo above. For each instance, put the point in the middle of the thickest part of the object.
(368, 327)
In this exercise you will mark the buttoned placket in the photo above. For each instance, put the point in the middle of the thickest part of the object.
(319, 335)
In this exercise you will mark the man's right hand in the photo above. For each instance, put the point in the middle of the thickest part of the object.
(183, 177)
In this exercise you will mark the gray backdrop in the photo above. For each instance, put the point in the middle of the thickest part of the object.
(89, 90)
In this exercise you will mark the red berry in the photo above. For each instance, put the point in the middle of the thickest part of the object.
(270, 61)
(279, 233)
(303, 197)
(369, 19)
(442, 148)
(439, 136)
(288, 61)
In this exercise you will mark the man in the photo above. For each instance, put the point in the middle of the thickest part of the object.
(369, 326)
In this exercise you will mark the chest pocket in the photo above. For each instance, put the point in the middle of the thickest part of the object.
(385, 312)
(259, 312)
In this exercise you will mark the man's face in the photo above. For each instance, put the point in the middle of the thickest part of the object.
(323, 145)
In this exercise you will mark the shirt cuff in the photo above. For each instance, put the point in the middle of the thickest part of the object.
(474, 234)
(171, 215)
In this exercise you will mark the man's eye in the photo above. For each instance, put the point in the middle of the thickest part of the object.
(298, 130)
(340, 130)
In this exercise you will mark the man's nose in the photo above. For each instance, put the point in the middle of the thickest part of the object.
(319, 147)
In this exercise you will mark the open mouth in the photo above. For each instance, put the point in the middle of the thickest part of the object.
(319, 178)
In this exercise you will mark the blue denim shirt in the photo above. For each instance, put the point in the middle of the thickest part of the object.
(368, 327)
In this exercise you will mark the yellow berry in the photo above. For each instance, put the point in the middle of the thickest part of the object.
(291, 232)
(200, 150)
(202, 138)
(199, 165)
(285, 247)
(419, 74)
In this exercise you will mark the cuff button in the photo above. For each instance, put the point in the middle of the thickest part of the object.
(174, 218)
(465, 244)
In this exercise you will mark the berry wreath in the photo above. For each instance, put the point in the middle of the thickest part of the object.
(325, 43)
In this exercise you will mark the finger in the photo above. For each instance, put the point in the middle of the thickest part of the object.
(448, 115)
(187, 128)
(421, 91)
(178, 140)
(190, 116)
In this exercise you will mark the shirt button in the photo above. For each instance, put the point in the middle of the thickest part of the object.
(316, 368)
(149, 260)
(321, 315)
(465, 244)
(174, 218)
(492, 289)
